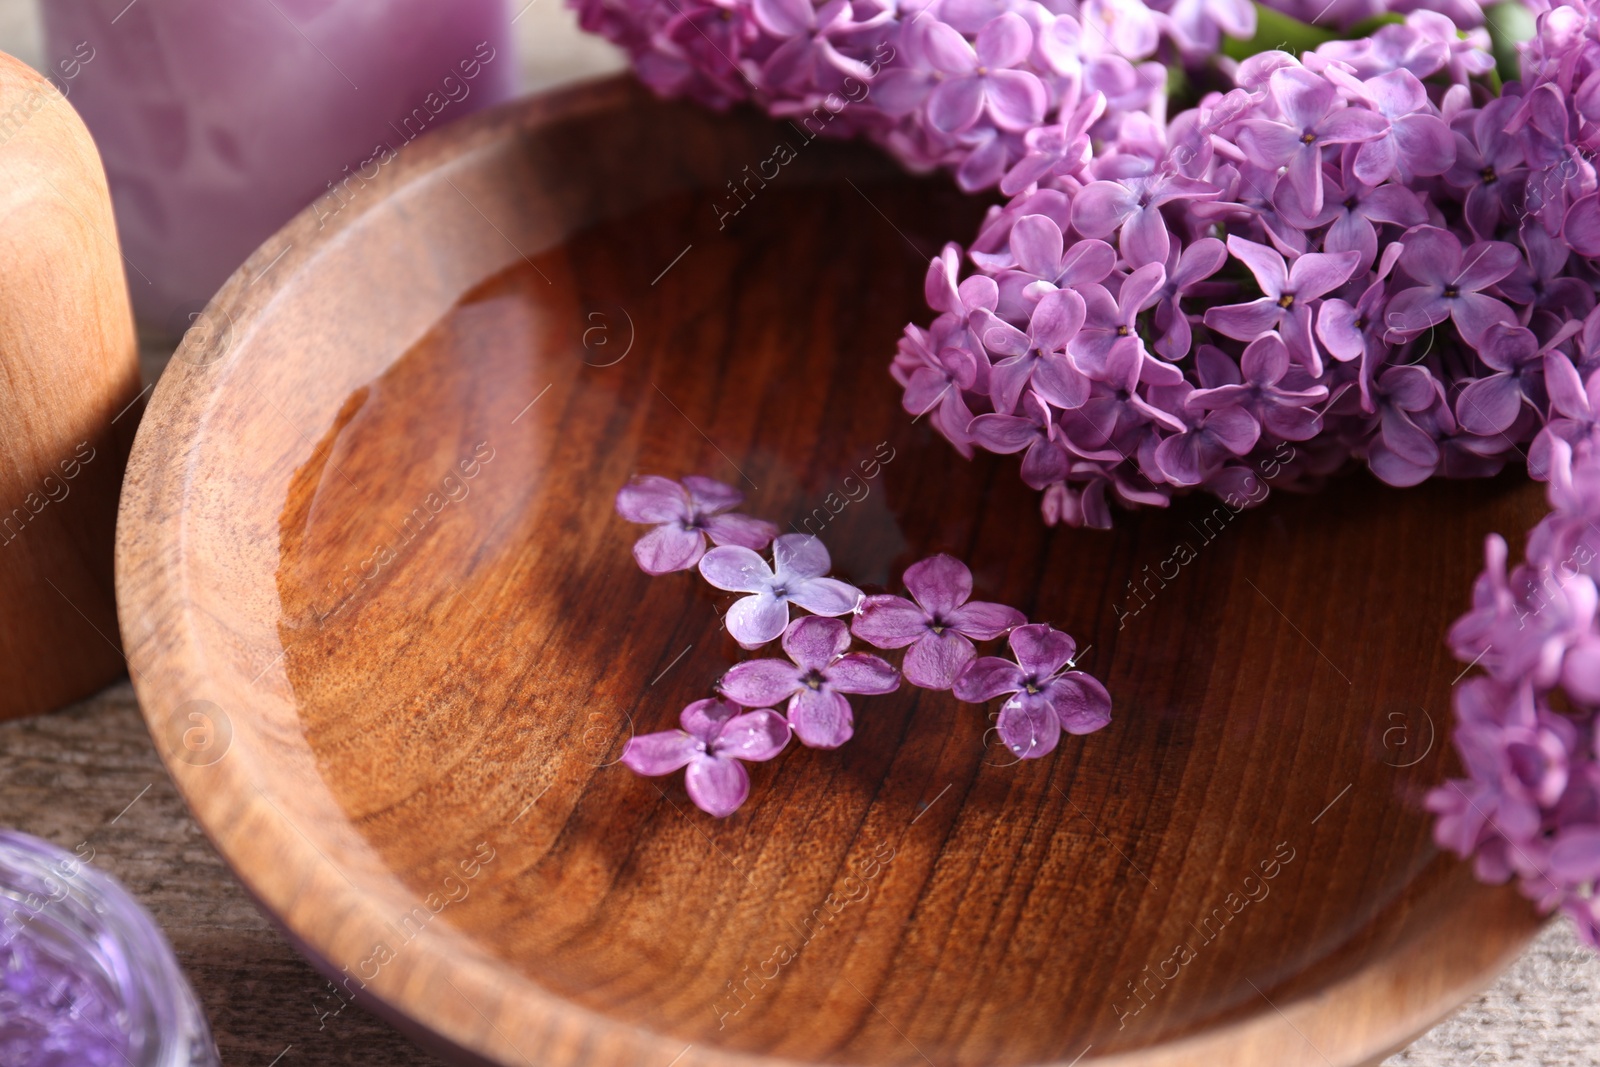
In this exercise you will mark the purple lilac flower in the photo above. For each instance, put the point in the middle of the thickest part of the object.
(685, 514)
(815, 683)
(799, 563)
(715, 738)
(938, 625)
(1288, 297)
(1049, 695)
(1451, 283)
(1313, 116)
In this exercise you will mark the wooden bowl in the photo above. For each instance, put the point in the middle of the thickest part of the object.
(386, 628)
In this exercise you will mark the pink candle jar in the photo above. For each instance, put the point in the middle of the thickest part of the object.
(219, 119)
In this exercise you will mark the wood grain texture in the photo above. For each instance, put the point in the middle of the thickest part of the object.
(384, 625)
(68, 370)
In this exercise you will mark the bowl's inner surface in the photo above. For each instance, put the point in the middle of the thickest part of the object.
(470, 644)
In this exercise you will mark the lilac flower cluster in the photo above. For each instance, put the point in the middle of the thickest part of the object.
(936, 626)
(998, 91)
(1163, 314)
(1529, 807)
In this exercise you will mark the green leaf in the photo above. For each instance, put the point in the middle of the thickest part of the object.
(1275, 30)
(1510, 24)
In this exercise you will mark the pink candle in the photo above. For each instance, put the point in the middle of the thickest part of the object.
(219, 119)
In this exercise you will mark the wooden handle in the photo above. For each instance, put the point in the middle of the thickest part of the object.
(69, 389)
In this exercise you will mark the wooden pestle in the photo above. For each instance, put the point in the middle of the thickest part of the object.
(69, 401)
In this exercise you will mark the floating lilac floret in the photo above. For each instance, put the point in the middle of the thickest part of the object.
(938, 628)
(685, 514)
(714, 740)
(799, 564)
(815, 683)
(1050, 696)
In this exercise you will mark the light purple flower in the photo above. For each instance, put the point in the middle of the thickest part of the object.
(815, 682)
(1313, 117)
(979, 79)
(685, 515)
(1044, 460)
(1212, 433)
(1451, 283)
(714, 740)
(799, 562)
(1050, 696)
(939, 627)
(1490, 166)
(1260, 391)
(1491, 404)
(1186, 268)
(1417, 142)
(1131, 207)
(1288, 296)
(1038, 357)
(1109, 320)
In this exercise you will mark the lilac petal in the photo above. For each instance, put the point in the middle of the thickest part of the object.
(986, 678)
(947, 49)
(1234, 429)
(717, 786)
(1270, 143)
(1581, 227)
(982, 620)
(1003, 433)
(652, 498)
(1575, 857)
(1489, 405)
(1414, 310)
(939, 583)
(736, 569)
(1087, 263)
(1036, 244)
(1305, 175)
(1336, 328)
(1485, 263)
(1140, 287)
(741, 530)
(1017, 99)
(1029, 726)
(821, 718)
(1040, 649)
(1303, 97)
(862, 672)
(1263, 262)
(1246, 322)
(1004, 41)
(668, 548)
(1425, 144)
(708, 494)
(814, 642)
(1431, 256)
(1199, 261)
(1056, 320)
(755, 736)
(1376, 160)
(1180, 459)
(956, 104)
(1565, 387)
(1057, 380)
(784, 18)
(760, 683)
(1046, 463)
(999, 336)
(935, 660)
(1474, 313)
(1145, 239)
(889, 622)
(1081, 702)
(660, 753)
(704, 719)
(755, 620)
(798, 555)
(1351, 125)
(1100, 207)
(826, 596)
(1316, 273)
(1265, 360)
(1007, 380)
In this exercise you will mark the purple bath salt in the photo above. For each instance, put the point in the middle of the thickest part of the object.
(86, 977)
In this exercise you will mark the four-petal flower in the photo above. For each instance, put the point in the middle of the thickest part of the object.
(939, 627)
(799, 564)
(714, 739)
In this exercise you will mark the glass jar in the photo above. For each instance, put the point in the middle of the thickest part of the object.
(219, 119)
(87, 979)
